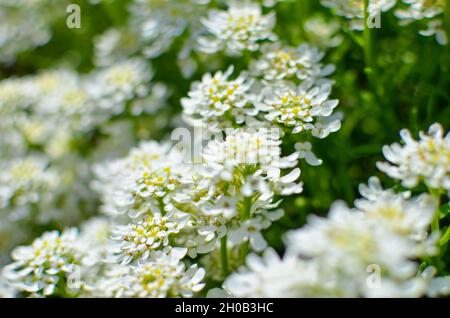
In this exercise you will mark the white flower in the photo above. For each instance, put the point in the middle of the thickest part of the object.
(354, 9)
(322, 32)
(426, 160)
(298, 108)
(113, 86)
(250, 231)
(304, 152)
(274, 277)
(156, 24)
(405, 216)
(163, 275)
(240, 28)
(44, 267)
(25, 25)
(350, 241)
(286, 63)
(217, 97)
(138, 239)
(429, 11)
(24, 182)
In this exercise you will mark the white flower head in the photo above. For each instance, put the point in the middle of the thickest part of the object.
(46, 264)
(217, 98)
(162, 275)
(299, 108)
(239, 28)
(427, 159)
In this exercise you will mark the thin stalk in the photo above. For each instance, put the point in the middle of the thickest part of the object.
(447, 21)
(224, 256)
(445, 238)
(369, 56)
(437, 213)
(245, 215)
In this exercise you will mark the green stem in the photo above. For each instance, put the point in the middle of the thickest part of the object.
(245, 215)
(445, 238)
(447, 21)
(437, 199)
(224, 256)
(368, 44)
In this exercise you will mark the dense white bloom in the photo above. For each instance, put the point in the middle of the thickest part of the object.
(153, 232)
(322, 32)
(24, 182)
(286, 63)
(239, 28)
(350, 241)
(123, 81)
(426, 160)
(405, 216)
(299, 108)
(254, 152)
(272, 276)
(158, 23)
(44, 267)
(25, 25)
(163, 275)
(331, 257)
(218, 97)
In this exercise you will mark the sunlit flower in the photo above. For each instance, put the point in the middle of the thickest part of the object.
(163, 275)
(426, 160)
(239, 28)
(44, 267)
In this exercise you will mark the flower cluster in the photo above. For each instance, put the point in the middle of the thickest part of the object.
(365, 251)
(46, 122)
(239, 28)
(163, 275)
(426, 160)
(45, 267)
(24, 25)
(287, 87)
(167, 148)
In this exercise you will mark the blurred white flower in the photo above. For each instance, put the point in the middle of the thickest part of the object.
(426, 160)
(163, 275)
(429, 11)
(299, 108)
(239, 28)
(44, 267)
(286, 63)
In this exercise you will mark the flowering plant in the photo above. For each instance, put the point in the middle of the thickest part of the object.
(213, 148)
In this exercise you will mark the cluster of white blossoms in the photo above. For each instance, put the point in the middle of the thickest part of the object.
(242, 27)
(44, 267)
(95, 201)
(162, 275)
(426, 160)
(430, 12)
(361, 252)
(366, 251)
(24, 25)
(284, 86)
(172, 202)
(48, 122)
